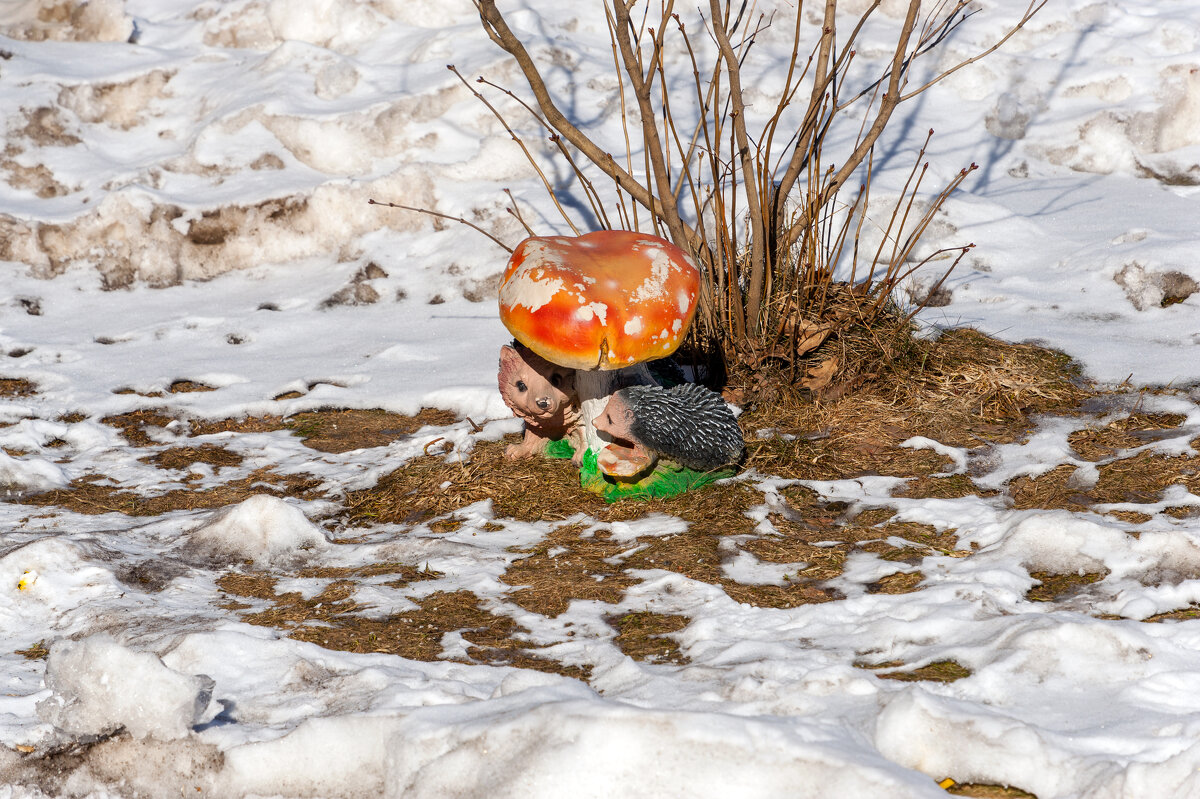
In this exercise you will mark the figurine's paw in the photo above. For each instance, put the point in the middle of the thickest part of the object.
(516, 452)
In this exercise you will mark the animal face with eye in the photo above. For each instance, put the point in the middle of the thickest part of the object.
(532, 386)
(541, 393)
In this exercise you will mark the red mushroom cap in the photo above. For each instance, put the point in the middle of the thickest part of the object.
(604, 300)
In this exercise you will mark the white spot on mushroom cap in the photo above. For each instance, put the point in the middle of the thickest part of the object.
(586, 312)
(633, 326)
(531, 285)
(533, 293)
(655, 284)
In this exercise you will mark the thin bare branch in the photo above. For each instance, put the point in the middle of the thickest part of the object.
(458, 219)
(498, 31)
(1033, 8)
(652, 142)
(520, 143)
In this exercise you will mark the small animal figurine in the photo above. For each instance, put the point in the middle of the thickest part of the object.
(688, 424)
(541, 393)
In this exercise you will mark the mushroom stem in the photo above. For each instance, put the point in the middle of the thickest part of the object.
(594, 387)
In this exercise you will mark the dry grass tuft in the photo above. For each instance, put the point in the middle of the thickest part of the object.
(964, 390)
(645, 636)
(17, 387)
(331, 620)
(567, 566)
(1138, 479)
(1182, 614)
(135, 425)
(38, 651)
(349, 429)
(898, 583)
(188, 387)
(431, 486)
(949, 487)
(88, 495)
(980, 791)
(1135, 430)
(245, 424)
(185, 457)
(941, 671)
(1059, 586)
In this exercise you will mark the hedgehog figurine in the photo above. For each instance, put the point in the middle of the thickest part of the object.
(688, 424)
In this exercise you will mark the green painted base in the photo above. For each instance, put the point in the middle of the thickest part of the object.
(668, 479)
(559, 449)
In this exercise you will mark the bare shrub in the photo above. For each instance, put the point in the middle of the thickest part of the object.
(757, 198)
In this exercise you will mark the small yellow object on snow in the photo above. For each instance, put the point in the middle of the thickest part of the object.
(947, 784)
(28, 578)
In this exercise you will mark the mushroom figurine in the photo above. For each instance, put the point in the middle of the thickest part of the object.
(603, 304)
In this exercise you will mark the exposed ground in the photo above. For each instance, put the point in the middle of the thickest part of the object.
(968, 391)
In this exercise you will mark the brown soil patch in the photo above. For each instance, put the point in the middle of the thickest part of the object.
(567, 566)
(1134, 430)
(941, 671)
(1058, 586)
(38, 651)
(898, 583)
(345, 430)
(135, 426)
(332, 430)
(88, 495)
(1138, 479)
(1182, 614)
(988, 791)
(187, 387)
(329, 620)
(184, 457)
(964, 390)
(645, 636)
(17, 387)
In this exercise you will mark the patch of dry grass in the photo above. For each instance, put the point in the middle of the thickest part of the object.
(88, 495)
(185, 457)
(1052, 587)
(566, 566)
(941, 671)
(135, 425)
(965, 390)
(1135, 430)
(332, 619)
(1181, 614)
(38, 651)
(980, 791)
(1138, 479)
(343, 430)
(17, 387)
(898, 583)
(645, 636)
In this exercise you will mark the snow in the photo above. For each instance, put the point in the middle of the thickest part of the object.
(183, 197)
(263, 529)
(97, 686)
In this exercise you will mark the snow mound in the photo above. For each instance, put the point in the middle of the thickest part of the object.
(586, 748)
(264, 529)
(51, 583)
(100, 686)
(26, 475)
